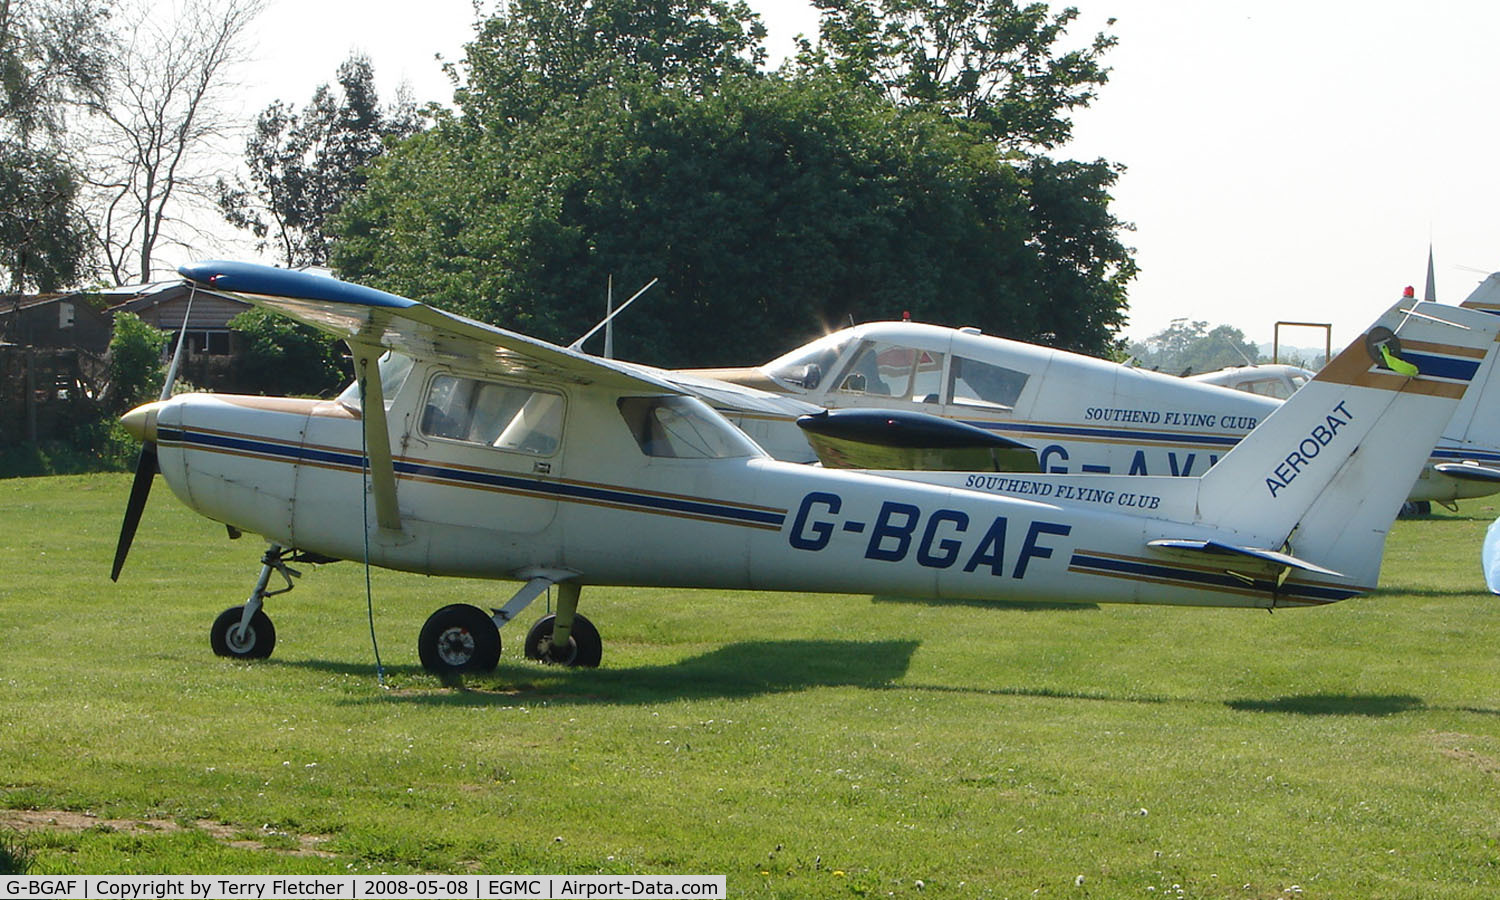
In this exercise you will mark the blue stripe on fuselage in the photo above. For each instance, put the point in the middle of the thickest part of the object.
(560, 490)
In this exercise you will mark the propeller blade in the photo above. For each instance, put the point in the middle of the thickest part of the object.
(140, 489)
(141, 422)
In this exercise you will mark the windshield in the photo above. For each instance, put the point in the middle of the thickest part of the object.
(394, 367)
(806, 366)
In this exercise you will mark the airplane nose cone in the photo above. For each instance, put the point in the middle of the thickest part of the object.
(141, 421)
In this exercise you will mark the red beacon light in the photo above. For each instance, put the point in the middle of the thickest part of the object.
(1409, 294)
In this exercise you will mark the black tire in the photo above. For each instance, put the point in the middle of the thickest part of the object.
(457, 639)
(256, 642)
(584, 645)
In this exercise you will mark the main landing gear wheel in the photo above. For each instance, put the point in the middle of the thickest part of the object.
(584, 646)
(253, 641)
(457, 639)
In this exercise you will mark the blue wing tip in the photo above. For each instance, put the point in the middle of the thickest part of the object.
(255, 278)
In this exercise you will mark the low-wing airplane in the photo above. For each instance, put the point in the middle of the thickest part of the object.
(1082, 414)
(466, 449)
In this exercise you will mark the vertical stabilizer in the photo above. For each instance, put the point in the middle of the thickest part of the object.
(1469, 428)
(1326, 473)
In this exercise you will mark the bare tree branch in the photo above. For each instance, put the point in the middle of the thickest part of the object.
(162, 122)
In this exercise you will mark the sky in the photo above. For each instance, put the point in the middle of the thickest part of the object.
(1283, 160)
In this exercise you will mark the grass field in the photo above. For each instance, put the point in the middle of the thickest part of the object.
(802, 745)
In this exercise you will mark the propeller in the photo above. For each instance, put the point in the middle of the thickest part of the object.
(145, 471)
(141, 423)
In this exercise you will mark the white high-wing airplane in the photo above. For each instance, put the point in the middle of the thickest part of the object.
(1081, 414)
(465, 449)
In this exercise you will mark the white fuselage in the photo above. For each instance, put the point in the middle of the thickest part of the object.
(1081, 414)
(598, 505)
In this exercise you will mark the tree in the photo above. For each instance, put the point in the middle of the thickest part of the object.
(771, 210)
(44, 243)
(135, 370)
(1190, 347)
(537, 54)
(772, 206)
(285, 357)
(160, 118)
(304, 165)
(53, 56)
(989, 62)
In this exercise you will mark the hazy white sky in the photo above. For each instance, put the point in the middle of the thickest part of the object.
(1285, 160)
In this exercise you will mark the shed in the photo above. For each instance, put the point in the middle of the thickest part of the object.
(164, 304)
(54, 322)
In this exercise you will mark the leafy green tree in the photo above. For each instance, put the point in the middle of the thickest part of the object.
(280, 356)
(993, 63)
(536, 55)
(136, 373)
(304, 164)
(772, 206)
(54, 54)
(1188, 347)
(44, 242)
(771, 210)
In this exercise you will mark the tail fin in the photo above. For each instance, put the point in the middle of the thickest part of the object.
(1471, 431)
(1326, 473)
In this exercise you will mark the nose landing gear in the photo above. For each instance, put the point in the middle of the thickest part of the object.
(246, 632)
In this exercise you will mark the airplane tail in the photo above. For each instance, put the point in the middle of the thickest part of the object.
(1469, 429)
(1323, 477)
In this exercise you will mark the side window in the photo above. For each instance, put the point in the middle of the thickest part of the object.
(683, 428)
(981, 384)
(504, 416)
(1266, 387)
(892, 370)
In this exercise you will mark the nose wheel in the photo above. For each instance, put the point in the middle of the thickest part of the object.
(233, 637)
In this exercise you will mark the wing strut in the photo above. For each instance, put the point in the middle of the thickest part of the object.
(377, 434)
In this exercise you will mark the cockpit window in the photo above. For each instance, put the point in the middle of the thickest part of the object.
(893, 370)
(807, 366)
(1273, 387)
(503, 416)
(393, 367)
(683, 428)
(982, 384)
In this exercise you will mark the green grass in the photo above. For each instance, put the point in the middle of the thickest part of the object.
(802, 745)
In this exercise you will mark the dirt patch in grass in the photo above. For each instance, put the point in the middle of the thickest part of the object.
(1447, 746)
(231, 836)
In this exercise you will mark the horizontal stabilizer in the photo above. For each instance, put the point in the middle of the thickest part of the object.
(900, 439)
(1219, 548)
(1468, 471)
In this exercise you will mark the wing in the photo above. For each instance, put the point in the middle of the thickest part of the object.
(903, 439)
(376, 318)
